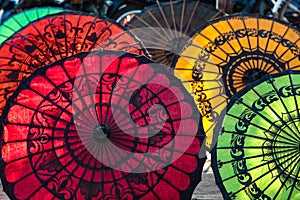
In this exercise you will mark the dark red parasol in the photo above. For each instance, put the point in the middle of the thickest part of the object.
(135, 137)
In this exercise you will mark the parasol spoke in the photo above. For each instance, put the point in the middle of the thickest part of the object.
(66, 39)
(249, 45)
(264, 49)
(191, 18)
(90, 92)
(173, 18)
(182, 15)
(57, 44)
(76, 35)
(115, 81)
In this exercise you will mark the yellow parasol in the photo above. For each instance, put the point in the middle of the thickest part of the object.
(229, 53)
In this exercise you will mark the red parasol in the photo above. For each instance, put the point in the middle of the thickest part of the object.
(66, 144)
(53, 37)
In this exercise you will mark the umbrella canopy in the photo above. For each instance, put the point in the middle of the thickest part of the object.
(228, 54)
(257, 155)
(19, 20)
(169, 26)
(54, 37)
(57, 136)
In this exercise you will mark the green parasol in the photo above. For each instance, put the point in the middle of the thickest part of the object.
(257, 155)
(19, 20)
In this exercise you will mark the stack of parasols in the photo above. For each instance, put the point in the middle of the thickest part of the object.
(94, 110)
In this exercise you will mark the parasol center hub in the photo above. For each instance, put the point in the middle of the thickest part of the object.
(101, 132)
(252, 75)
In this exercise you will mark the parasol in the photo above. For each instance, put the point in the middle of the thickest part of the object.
(65, 133)
(257, 155)
(54, 37)
(169, 26)
(16, 22)
(231, 52)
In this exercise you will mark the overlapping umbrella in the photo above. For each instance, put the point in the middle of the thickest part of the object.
(72, 143)
(16, 22)
(99, 125)
(228, 54)
(169, 26)
(54, 37)
(257, 155)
